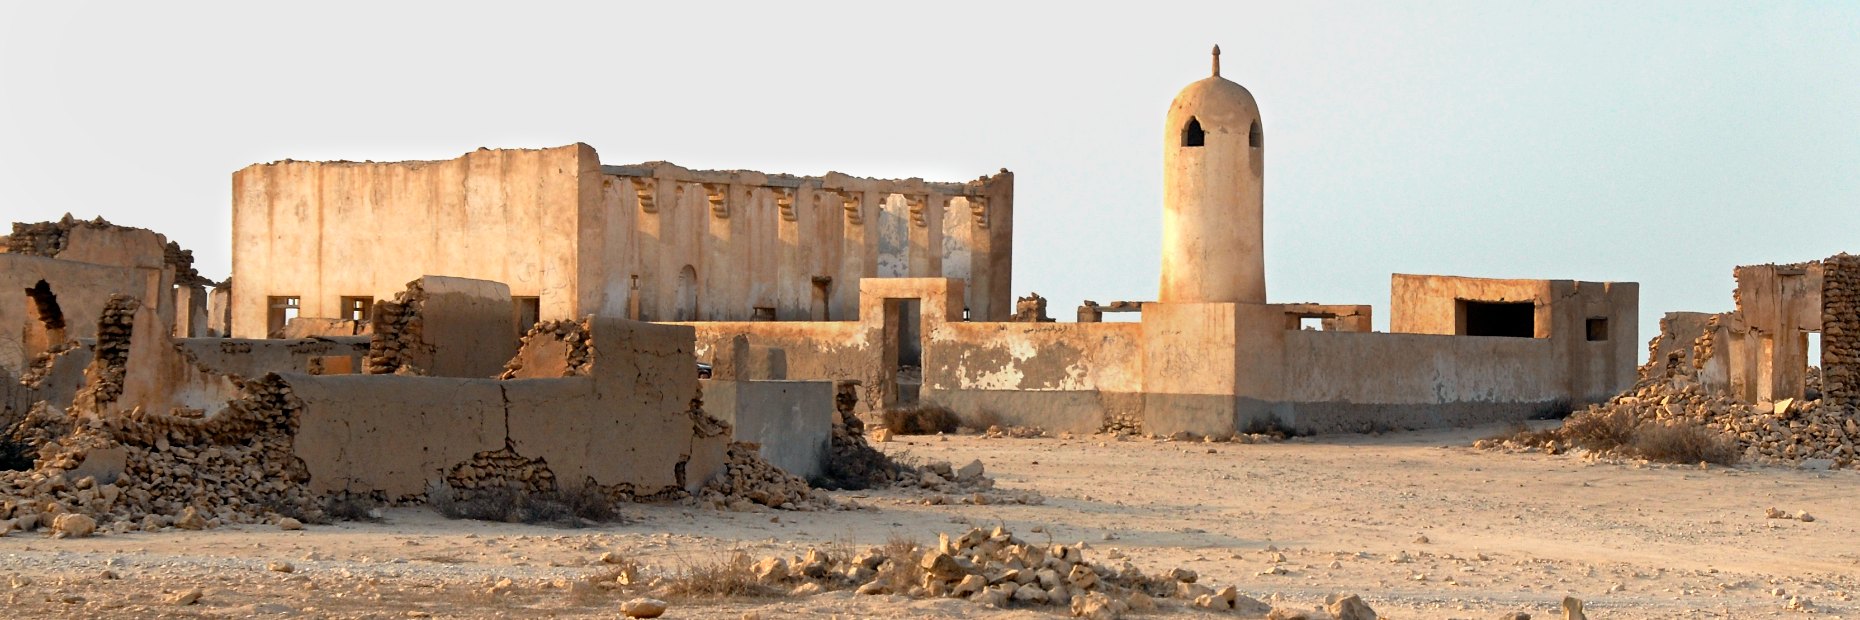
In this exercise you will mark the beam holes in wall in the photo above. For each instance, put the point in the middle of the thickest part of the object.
(1192, 134)
(1497, 318)
(1598, 329)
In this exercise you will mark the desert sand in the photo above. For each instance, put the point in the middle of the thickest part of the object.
(1418, 524)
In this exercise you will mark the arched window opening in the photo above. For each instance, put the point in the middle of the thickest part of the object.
(1253, 136)
(1192, 134)
(687, 300)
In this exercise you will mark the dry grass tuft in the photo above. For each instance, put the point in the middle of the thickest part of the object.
(1620, 432)
(503, 504)
(1683, 442)
(350, 508)
(902, 569)
(921, 418)
(981, 420)
(1601, 430)
(731, 577)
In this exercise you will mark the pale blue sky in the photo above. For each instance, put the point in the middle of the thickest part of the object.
(1654, 142)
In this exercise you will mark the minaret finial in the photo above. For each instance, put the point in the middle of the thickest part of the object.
(1217, 61)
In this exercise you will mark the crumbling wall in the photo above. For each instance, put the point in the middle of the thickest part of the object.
(1840, 331)
(443, 327)
(553, 349)
(252, 358)
(399, 344)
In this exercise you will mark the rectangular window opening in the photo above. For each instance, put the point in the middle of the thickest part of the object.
(356, 308)
(1598, 329)
(528, 310)
(280, 310)
(1312, 323)
(1497, 318)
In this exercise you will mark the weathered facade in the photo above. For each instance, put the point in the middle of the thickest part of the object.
(1212, 356)
(572, 237)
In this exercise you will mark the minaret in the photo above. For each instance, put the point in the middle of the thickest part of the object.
(1213, 195)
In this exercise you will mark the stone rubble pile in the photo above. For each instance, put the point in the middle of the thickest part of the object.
(749, 481)
(998, 569)
(579, 336)
(41, 366)
(1122, 424)
(399, 334)
(1786, 432)
(852, 462)
(944, 484)
(143, 470)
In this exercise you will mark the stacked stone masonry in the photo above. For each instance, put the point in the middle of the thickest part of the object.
(1840, 331)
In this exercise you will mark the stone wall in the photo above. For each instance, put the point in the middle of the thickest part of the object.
(1840, 330)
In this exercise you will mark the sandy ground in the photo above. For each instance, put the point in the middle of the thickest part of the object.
(1416, 523)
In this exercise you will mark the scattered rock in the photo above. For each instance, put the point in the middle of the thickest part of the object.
(186, 597)
(289, 524)
(280, 567)
(1572, 609)
(1349, 607)
(73, 525)
(643, 608)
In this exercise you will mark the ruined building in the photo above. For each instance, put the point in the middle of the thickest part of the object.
(573, 237)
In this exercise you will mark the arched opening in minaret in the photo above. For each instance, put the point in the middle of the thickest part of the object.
(1253, 136)
(1192, 134)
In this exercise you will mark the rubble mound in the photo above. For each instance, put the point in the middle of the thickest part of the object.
(941, 483)
(150, 470)
(748, 481)
(853, 464)
(1786, 432)
(989, 567)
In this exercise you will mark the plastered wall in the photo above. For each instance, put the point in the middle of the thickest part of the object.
(324, 230)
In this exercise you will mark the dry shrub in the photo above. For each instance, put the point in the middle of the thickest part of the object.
(508, 505)
(731, 577)
(921, 418)
(902, 569)
(1519, 432)
(1683, 442)
(1601, 430)
(981, 420)
(350, 508)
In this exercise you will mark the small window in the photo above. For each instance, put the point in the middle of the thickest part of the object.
(1192, 134)
(529, 312)
(356, 308)
(1598, 329)
(279, 311)
(1254, 138)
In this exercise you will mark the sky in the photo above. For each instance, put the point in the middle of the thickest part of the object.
(1654, 142)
